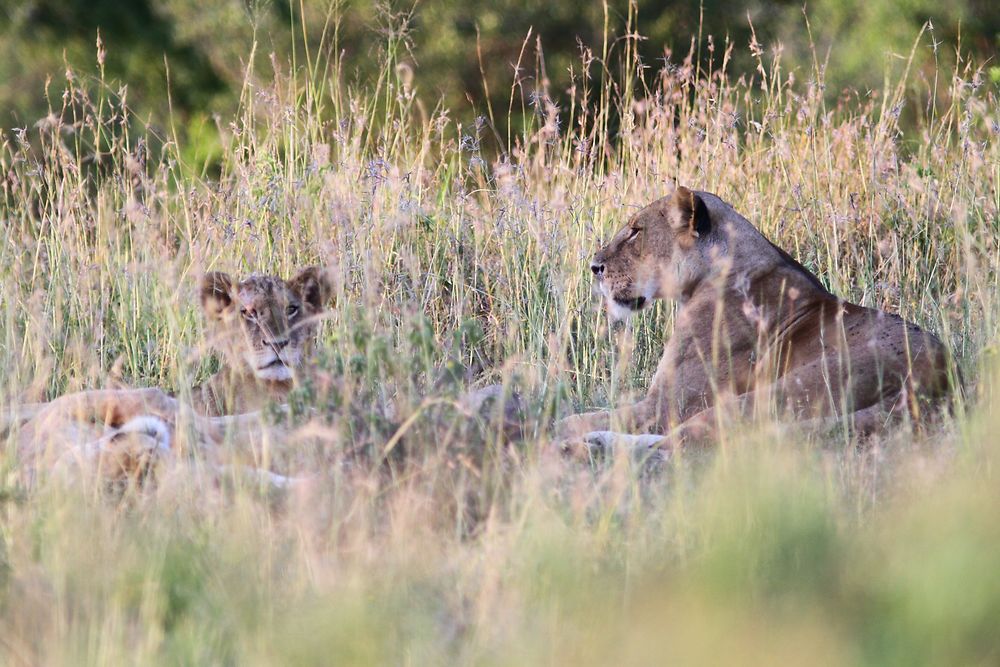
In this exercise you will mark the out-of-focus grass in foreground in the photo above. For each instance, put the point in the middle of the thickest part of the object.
(768, 550)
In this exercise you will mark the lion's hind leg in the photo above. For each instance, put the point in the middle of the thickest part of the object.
(864, 423)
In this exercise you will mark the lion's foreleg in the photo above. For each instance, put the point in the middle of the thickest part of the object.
(638, 417)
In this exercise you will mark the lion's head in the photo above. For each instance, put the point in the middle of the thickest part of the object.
(659, 253)
(265, 325)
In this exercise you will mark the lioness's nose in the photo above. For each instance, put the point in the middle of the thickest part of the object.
(278, 344)
(598, 269)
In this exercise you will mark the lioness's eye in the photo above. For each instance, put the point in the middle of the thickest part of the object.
(247, 315)
(635, 232)
(293, 310)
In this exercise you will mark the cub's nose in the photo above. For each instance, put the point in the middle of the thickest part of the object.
(598, 269)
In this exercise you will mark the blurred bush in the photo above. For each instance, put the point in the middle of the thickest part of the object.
(469, 49)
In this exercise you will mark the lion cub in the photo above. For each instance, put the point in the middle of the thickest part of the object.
(264, 328)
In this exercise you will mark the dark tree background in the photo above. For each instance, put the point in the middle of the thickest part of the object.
(457, 48)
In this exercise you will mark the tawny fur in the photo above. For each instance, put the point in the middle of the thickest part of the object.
(755, 331)
(264, 329)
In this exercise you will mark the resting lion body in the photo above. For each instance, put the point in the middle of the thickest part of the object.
(754, 331)
(264, 330)
(263, 327)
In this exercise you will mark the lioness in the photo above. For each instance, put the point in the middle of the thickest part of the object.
(754, 331)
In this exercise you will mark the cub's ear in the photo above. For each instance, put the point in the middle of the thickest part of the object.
(216, 294)
(688, 213)
(314, 286)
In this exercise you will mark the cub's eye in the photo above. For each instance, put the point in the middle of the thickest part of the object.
(247, 315)
(292, 311)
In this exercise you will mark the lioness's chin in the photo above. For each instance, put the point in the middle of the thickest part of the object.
(272, 370)
(622, 309)
(276, 373)
(628, 300)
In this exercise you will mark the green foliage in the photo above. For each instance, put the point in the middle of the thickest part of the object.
(467, 53)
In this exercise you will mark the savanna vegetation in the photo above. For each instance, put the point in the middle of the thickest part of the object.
(459, 239)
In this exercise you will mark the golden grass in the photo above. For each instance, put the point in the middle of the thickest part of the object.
(448, 253)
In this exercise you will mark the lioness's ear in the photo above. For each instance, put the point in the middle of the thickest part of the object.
(216, 294)
(688, 213)
(314, 286)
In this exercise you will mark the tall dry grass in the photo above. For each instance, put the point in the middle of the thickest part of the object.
(465, 247)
